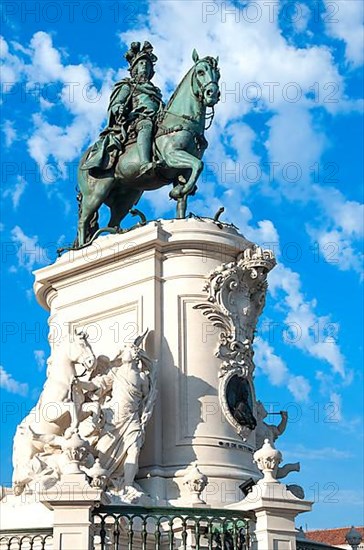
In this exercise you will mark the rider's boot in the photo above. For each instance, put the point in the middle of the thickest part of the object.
(144, 142)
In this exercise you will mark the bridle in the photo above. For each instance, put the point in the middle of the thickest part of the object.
(201, 87)
(199, 96)
(84, 337)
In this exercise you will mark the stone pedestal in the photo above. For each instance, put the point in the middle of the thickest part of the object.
(72, 501)
(274, 505)
(152, 277)
(275, 508)
(24, 511)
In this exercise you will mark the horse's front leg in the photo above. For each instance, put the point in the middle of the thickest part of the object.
(185, 161)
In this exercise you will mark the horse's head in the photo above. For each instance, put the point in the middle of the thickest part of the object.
(205, 79)
(80, 350)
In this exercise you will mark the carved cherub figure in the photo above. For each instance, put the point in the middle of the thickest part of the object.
(271, 432)
(268, 431)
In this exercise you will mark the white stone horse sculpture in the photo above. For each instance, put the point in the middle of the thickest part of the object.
(57, 412)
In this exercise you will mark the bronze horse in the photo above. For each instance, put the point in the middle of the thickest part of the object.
(179, 144)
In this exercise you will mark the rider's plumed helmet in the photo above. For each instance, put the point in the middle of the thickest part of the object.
(136, 53)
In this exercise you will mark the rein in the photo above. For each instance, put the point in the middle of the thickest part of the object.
(209, 118)
(80, 375)
(199, 96)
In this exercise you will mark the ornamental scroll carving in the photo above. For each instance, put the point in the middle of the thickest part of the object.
(236, 298)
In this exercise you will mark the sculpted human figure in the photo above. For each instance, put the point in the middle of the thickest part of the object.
(134, 104)
(128, 395)
(271, 432)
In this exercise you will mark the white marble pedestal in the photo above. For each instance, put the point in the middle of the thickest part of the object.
(152, 277)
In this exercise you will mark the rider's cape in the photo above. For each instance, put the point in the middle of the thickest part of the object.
(112, 140)
(103, 153)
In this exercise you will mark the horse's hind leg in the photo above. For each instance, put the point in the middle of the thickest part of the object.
(88, 209)
(91, 202)
(120, 202)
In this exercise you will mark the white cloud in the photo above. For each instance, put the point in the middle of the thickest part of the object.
(348, 216)
(334, 409)
(344, 20)
(39, 355)
(336, 401)
(277, 372)
(261, 54)
(8, 383)
(30, 253)
(69, 86)
(10, 133)
(314, 334)
(294, 145)
(302, 17)
(300, 451)
(11, 67)
(16, 192)
(340, 230)
(79, 96)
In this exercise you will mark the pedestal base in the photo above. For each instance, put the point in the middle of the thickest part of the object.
(152, 277)
(275, 508)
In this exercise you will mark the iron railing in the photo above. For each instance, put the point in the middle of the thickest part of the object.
(139, 528)
(27, 539)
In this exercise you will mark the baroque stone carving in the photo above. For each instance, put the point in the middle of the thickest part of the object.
(196, 482)
(268, 460)
(236, 297)
(56, 414)
(268, 431)
(271, 433)
(99, 422)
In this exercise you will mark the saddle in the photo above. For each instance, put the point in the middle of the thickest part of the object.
(105, 153)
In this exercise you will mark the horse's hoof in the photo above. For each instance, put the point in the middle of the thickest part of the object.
(177, 192)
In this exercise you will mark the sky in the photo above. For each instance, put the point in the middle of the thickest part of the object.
(284, 159)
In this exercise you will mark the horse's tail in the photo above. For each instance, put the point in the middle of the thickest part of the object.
(79, 197)
(93, 224)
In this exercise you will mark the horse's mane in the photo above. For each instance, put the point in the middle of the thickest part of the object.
(179, 87)
(57, 343)
(59, 340)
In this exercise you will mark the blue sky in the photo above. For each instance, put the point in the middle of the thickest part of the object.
(284, 159)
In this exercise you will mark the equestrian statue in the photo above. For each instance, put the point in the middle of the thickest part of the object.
(146, 144)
